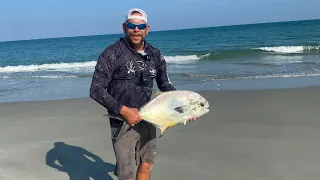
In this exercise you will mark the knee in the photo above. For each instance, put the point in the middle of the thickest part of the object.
(145, 167)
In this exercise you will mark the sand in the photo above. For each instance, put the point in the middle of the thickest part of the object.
(248, 135)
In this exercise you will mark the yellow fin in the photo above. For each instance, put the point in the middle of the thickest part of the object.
(163, 129)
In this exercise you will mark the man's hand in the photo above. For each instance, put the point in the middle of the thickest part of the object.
(131, 115)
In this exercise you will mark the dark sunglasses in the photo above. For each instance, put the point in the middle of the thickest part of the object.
(133, 26)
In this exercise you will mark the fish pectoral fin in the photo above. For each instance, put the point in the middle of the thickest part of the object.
(163, 129)
(185, 122)
(181, 109)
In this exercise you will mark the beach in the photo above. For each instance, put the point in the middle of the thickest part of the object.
(247, 135)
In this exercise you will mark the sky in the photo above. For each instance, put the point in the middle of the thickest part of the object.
(37, 19)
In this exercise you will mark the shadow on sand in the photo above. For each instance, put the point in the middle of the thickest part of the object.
(78, 163)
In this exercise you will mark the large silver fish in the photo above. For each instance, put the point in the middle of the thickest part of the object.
(166, 109)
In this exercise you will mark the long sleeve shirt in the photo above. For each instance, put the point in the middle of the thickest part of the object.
(115, 65)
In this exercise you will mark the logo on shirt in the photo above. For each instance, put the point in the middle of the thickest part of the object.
(141, 67)
(130, 67)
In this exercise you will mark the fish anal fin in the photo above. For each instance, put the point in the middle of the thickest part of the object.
(163, 129)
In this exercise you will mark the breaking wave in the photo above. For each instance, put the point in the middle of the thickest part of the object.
(40, 77)
(48, 67)
(76, 66)
(292, 49)
(211, 77)
(267, 51)
(220, 55)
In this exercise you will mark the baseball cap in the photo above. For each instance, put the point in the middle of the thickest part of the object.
(143, 17)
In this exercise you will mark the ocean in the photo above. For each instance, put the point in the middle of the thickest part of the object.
(239, 57)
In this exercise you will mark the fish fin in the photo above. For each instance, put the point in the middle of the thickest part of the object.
(163, 129)
(154, 93)
(185, 122)
(180, 109)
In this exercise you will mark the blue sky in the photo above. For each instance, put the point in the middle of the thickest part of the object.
(34, 19)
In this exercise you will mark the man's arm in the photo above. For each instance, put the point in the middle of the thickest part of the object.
(102, 75)
(162, 78)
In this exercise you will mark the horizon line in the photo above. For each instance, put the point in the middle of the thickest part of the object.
(110, 34)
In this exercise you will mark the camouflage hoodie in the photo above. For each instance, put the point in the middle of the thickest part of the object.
(115, 65)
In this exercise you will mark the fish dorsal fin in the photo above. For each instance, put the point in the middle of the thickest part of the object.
(154, 93)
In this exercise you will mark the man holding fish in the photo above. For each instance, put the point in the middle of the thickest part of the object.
(122, 83)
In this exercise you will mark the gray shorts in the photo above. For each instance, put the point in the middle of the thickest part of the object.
(133, 146)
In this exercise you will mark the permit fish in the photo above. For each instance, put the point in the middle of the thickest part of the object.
(166, 109)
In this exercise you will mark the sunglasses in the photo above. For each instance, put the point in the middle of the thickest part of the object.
(133, 26)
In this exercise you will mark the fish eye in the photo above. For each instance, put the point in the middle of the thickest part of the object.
(202, 104)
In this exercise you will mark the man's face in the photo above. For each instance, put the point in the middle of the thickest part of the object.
(134, 34)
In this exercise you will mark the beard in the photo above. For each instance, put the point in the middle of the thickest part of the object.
(135, 38)
(135, 35)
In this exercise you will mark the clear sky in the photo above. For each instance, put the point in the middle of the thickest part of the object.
(34, 19)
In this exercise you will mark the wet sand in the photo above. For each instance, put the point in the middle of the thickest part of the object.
(248, 135)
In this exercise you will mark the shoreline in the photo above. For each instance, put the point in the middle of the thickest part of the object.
(231, 86)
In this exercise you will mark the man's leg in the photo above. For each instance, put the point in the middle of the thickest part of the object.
(124, 149)
(147, 151)
(144, 171)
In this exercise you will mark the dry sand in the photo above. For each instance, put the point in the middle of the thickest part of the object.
(248, 135)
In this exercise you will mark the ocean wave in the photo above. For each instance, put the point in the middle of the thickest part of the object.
(39, 76)
(292, 75)
(262, 51)
(181, 58)
(89, 65)
(275, 52)
(194, 75)
(47, 67)
(292, 49)
(213, 77)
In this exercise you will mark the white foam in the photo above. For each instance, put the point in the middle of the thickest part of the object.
(181, 58)
(89, 65)
(48, 67)
(289, 49)
(284, 49)
(274, 76)
(49, 77)
(285, 75)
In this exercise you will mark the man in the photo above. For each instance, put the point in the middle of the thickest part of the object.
(121, 82)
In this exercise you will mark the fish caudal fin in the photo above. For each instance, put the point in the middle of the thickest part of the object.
(163, 129)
